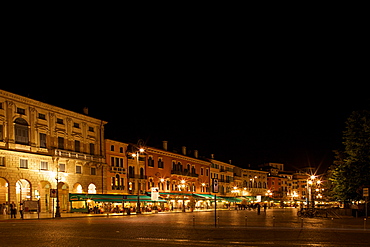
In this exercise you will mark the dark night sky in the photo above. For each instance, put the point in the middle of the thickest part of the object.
(280, 93)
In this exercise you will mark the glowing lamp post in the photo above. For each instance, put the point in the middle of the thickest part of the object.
(136, 155)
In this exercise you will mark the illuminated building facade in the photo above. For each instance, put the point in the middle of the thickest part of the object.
(44, 147)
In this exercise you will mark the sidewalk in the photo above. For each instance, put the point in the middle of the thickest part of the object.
(29, 216)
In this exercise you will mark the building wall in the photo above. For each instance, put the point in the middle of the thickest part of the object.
(40, 144)
(180, 173)
(117, 167)
(254, 182)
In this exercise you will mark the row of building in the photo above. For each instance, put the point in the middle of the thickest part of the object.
(44, 148)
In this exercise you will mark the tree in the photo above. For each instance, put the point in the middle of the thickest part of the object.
(351, 169)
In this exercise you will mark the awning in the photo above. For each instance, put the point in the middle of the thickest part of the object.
(232, 199)
(109, 198)
(208, 196)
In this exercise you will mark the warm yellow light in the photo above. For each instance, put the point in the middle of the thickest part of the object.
(162, 180)
(141, 150)
(313, 177)
(133, 155)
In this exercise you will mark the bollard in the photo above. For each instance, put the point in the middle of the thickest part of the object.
(218, 220)
(301, 222)
(273, 221)
(246, 220)
(193, 220)
(365, 223)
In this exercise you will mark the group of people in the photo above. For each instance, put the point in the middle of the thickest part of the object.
(12, 209)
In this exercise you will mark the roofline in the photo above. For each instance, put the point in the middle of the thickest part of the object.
(37, 103)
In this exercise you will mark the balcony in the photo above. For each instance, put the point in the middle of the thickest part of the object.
(185, 173)
(76, 155)
(137, 176)
(120, 187)
(118, 170)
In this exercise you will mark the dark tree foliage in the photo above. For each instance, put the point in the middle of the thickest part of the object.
(351, 169)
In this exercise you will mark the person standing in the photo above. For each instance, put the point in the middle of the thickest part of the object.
(4, 209)
(13, 210)
(21, 210)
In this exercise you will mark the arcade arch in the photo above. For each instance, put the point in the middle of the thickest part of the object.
(43, 194)
(4, 191)
(23, 190)
(63, 191)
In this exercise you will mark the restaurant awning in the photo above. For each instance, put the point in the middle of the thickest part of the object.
(208, 196)
(110, 198)
(232, 199)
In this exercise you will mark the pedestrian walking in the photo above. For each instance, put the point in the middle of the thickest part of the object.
(13, 210)
(258, 209)
(4, 209)
(21, 210)
(264, 207)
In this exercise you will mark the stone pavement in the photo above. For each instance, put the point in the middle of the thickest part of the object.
(276, 218)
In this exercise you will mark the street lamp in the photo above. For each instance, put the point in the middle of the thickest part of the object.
(139, 150)
(57, 209)
(312, 182)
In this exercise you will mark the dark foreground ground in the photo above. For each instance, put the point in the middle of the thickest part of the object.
(278, 227)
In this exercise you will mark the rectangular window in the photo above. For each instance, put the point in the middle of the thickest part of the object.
(76, 125)
(112, 161)
(1, 133)
(2, 161)
(23, 163)
(21, 111)
(93, 170)
(60, 121)
(79, 169)
(62, 167)
(92, 148)
(91, 129)
(42, 116)
(60, 142)
(44, 165)
(77, 146)
(42, 140)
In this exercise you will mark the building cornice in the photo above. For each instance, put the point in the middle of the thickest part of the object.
(177, 156)
(35, 103)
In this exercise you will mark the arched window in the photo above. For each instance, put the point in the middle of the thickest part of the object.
(141, 173)
(21, 131)
(188, 167)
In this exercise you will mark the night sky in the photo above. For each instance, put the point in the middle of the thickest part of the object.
(272, 92)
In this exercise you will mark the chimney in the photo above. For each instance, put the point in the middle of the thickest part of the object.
(85, 110)
(196, 154)
(230, 162)
(165, 145)
(212, 156)
(183, 150)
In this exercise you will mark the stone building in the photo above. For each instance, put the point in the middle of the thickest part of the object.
(44, 147)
